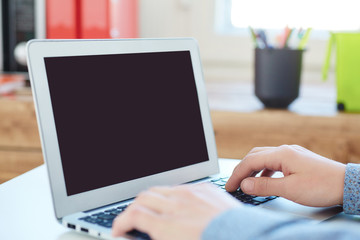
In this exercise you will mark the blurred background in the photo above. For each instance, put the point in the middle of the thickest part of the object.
(220, 26)
(226, 44)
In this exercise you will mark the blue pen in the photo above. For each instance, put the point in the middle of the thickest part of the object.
(262, 36)
(301, 33)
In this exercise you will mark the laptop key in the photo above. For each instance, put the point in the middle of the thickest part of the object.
(107, 216)
(107, 224)
(139, 235)
(271, 197)
(97, 214)
(93, 220)
(261, 199)
(110, 210)
(115, 212)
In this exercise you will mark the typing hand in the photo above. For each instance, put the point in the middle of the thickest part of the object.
(309, 178)
(180, 212)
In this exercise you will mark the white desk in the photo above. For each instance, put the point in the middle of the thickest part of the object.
(26, 210)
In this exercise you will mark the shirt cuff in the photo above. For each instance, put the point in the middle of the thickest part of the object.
(244, 223)
(351, 201)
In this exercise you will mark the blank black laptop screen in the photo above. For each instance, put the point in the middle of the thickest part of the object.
(124, 116)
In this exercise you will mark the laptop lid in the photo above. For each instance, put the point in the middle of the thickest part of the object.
(118, 116)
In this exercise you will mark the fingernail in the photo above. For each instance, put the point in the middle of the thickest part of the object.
(247, 185)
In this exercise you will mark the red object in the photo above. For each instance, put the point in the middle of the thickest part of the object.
(92, 19)
(124, 19)
(61, 19)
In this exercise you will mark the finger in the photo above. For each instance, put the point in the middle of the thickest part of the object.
(259, 149)
(135, 217)
(204, 187)
(163, 190)
(243, 170)
(175, 190)
(154, 201)
(269, 159)
(203, 190)
(299, 148)
(190, 191)
(264, 186)
(169, 196)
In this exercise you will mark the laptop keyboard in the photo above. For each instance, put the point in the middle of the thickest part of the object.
(240, 195)
(107, 217)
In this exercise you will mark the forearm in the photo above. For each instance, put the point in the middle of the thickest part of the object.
(257, 223)
(351, 202)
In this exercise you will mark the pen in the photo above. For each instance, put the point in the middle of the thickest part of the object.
(283, 37)
(288, 37)
(300, 33)
(254, 36)
(304, 39)
(262, 36)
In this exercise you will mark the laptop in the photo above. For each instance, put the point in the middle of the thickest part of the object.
(119, 116)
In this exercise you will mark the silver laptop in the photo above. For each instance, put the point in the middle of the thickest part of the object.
(119, 116)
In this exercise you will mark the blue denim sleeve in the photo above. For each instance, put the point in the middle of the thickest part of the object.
(252, 223)
(351, 201)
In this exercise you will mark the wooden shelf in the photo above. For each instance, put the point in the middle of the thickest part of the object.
(336, 137)
(20, 148)
(239, 120)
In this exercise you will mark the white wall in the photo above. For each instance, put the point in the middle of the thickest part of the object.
(224, 57)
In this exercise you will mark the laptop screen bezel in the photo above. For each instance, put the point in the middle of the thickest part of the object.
(64, 205)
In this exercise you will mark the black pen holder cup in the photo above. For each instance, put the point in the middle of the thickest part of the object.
(277, 76)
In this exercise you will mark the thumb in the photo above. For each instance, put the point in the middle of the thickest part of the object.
(263, 186)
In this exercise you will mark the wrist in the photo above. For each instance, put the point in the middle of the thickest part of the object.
(342, 172)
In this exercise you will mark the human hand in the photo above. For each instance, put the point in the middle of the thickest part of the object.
(309, 178)
(181, 212)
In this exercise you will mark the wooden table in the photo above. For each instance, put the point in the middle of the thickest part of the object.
(312, 121)
(239, 120)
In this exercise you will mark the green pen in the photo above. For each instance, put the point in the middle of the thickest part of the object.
(304, 39)
(253, 35)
